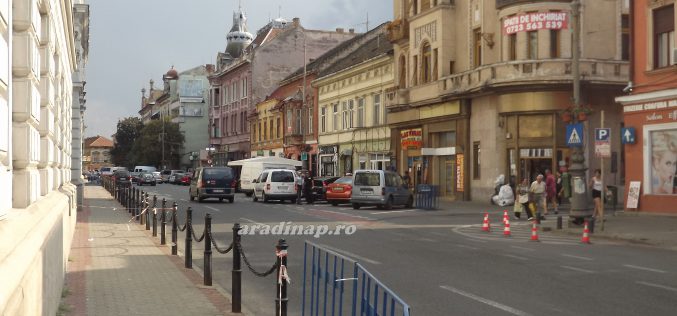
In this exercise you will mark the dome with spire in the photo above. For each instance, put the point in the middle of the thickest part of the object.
(172, 74)
(238, 37)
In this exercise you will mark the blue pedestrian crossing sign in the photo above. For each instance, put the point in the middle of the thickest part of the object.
(628, 135)
(575, 135)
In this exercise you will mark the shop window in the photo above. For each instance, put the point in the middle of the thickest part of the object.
(323, 119)
(554, 43)
(625, 37)
(476, 160)
(661, 167)
(663, 36)
(426, 63)
(535, 126)
(477, 47)
(512, 47)
(532, 45)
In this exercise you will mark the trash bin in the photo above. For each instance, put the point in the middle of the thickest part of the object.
(426, 197)
(611, 196)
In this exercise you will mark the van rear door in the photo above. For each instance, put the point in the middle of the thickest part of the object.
(367, 184)
(282, 182)
(217, 180)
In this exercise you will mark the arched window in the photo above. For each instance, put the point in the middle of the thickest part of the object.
(403, 72)
(426, 63)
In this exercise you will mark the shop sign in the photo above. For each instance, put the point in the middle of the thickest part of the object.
(536, 153)
(650, 106)
(535, 21)
(411, 138)
(459, 172)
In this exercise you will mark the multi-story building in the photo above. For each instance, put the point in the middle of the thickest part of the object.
(250, 69)
(491, 76)
(266, 129)
(352, 129)
(38, 56)
(650, 109)
(97, 153)
(81, 39)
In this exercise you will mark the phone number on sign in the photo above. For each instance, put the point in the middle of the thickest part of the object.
(550, 25)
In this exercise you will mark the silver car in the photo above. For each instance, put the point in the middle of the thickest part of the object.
(381, 188)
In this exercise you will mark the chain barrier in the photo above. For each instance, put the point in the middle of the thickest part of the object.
(175, 217)
(218, 249)
(194, 236)
(249, 266)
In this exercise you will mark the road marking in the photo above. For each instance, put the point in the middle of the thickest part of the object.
(213, 209)
(389, 212)
(643, 268)
(476, 240)
(489, 302)
(515, 257)
(523, 248)
(657, 286)
(577, 269)
(251, 221)
(350, 254)
(577, 257)
(438, 234)
(427, 239)
(468, 247)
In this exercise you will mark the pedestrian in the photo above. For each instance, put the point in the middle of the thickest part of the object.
(551, 191)
(596, 186)
(299, 187)
(407, 179)
(537, 191)
(523, 200)
(308, 189)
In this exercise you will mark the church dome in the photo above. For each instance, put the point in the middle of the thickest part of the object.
(238, 37)
(172, 73)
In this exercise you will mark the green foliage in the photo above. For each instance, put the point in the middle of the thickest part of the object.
(147, 149)
(128, 130)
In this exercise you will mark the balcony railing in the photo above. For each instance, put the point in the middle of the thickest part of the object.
(398, 29)
(534, 72)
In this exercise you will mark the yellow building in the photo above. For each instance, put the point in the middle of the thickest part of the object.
(352, 127)
(266, 130)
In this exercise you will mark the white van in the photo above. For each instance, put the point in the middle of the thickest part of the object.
(252, 168)
(144, 169)
(276, 184)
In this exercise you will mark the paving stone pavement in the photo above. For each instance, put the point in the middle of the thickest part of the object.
(116, 268)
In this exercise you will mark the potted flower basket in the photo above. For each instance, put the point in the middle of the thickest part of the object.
(582, 113)
(567, 115)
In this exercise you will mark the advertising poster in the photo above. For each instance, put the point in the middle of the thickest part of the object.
(663, 155)
(459, 172)
(633, 194)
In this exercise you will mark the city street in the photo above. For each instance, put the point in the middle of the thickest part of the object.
(441, 263)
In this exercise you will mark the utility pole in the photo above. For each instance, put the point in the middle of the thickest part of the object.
(579, 194)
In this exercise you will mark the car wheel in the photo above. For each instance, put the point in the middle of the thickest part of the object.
(248, 194)
(356, 206)
(220, 199)
(199, 198)
(410, 202)
(264, 197)
(254, 198)
(333, 203)
(231, 200)
(191, 196)
(389, 204)
(153, 184)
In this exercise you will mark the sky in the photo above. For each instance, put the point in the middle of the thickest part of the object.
(133, 41)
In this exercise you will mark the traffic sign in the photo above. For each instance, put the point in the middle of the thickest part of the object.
(575, 135)
(602, 142)
(602, 134)
(628, 135)
(304, 156)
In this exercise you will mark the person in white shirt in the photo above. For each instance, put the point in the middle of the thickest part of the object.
(537, 191)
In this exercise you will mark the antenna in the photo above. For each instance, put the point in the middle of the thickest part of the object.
(367, 22)
(279, 11)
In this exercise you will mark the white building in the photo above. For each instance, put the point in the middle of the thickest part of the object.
(38, 58)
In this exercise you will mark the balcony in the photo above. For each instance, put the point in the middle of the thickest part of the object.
(398, 29)
(500, 4)
(532, 72)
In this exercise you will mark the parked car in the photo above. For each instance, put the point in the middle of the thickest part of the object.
(157, 176)
(340, 190)
(175, 177)
(381, 188)
(251, 168)
(213, 182)
(185, 180)
(319, 189)
(122, 178)
(135, 176)
(275, 184)
(166, 174)
(146, 178)
(106, 171)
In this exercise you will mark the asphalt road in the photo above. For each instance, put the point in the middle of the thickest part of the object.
(441, 263)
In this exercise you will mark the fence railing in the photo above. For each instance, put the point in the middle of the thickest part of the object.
(328, 275)
(145, 211)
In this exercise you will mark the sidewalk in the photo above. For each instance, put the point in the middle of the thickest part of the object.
(117, 268)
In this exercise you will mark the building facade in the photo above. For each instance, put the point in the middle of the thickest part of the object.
(650, 109)
(38, 200)
(494, 75)
(351, 110)
(97, 153)
(266, 130)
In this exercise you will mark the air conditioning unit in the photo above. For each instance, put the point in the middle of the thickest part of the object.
(674, 57)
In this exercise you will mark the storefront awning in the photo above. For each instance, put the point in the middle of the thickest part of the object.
(443, 151)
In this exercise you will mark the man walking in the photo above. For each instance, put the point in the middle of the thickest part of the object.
(537, 190)
(299, 187)
(551, 191)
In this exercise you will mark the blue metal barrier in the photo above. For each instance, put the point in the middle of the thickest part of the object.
(332, 273)
(426, 196)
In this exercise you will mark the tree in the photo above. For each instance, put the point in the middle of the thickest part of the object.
(148, 147)
(128, 130)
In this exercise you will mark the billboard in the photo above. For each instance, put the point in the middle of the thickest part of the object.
(535, 21)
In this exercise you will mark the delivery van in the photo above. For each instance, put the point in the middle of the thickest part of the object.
(251, 169)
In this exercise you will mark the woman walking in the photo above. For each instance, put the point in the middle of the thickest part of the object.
(596, 185)
(523, 199)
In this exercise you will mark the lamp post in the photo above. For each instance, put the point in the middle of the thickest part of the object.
(579, 195)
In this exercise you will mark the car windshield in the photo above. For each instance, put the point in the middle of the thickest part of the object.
(344, 180)
(368, 179)
(282, 176)
(218, 173)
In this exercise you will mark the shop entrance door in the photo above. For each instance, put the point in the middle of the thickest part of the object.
(532, 167)
(446, 175)
(416, 171)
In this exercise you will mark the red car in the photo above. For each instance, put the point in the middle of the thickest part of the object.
(339, 191)
(185, 180)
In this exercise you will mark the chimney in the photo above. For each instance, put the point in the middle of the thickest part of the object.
(339, 30)
(351, 31)
(296, 21)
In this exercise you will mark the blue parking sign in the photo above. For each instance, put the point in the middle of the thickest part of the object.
(575, 135)
(602, 134)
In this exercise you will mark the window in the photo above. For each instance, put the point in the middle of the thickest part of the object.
(434, 64)
(477, 47)
(512, 47)
(476, 160)
(243, 120)
(289, 120)
(663, 36)
(377, 109)
(625, 37)
(323, 119)
(224, 129)
(265, 130)
(426, 60)
(234, 122)
(414, 72)
(244, 88)
(279, 128)
(282, 176)
(310, 120)
(532, 45)
(335, 119)
(225, 96)
(344, 112)
(260, 131)
(272, 128)
(659, 171)
(360, 112)
(414, 7)
(425, 5)
(351, 111)
(403, 72)
(554, 43)
(246, 126)
(298, 121)
(216, 98)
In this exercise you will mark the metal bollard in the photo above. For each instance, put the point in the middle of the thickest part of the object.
(150, 209)
(559, 221)
(207, 259)
(236, 279)
(128, 200)
(189, 239)
(155, 220)
(281, 298)
(144, 198)
(163, 223)
(175, 229)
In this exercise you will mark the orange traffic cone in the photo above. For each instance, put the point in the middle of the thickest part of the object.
(586, 232)
(506, 229)
(534, 232)
(485, 224)
(505, 216)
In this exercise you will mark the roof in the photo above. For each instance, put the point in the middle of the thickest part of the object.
(377, 46)
(98, 141)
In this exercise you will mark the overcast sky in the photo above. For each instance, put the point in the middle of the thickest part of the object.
(132, 41)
